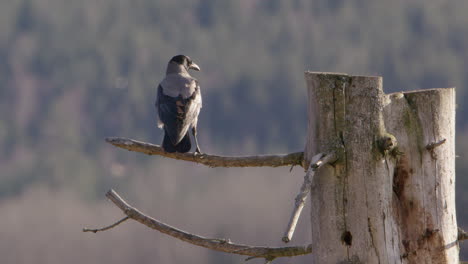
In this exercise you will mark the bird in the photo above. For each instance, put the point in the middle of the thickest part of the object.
(178, 104)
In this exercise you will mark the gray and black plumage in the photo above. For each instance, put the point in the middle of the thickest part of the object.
(178, 104)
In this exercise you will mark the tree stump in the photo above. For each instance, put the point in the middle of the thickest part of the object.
(390, 196)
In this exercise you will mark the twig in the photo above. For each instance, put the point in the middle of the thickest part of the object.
(434, 145)
(223, 245)
(107, 227)
(211, 160)
(316, 162)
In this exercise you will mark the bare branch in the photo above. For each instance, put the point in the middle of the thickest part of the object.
(316, 162)
(107, 227)
(269, 253)
(211, 160)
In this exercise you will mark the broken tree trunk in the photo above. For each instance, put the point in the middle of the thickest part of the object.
(390, 196)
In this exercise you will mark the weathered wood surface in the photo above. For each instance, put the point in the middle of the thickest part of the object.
(377, 205)
(424, 179)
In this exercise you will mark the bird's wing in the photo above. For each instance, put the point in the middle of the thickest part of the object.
(157, 105)
(178, 114)
(193, 106)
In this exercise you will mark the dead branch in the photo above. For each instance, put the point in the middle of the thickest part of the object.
(316, 162)
(224, 245)
(211, 160)
(107, 227)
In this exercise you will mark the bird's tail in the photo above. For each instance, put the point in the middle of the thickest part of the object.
(184, 145)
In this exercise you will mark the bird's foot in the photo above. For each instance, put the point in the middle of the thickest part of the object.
(197, 152)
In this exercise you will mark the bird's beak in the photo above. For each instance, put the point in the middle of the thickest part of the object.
(194, 66)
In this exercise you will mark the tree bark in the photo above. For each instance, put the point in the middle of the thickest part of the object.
(381, 203)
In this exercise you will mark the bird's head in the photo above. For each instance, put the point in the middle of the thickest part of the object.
(185, 61)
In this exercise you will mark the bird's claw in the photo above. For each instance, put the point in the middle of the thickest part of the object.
(197, 152)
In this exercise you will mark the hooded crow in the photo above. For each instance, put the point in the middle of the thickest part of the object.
(178, 104)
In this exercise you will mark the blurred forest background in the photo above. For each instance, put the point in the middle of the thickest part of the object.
(75, 72)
